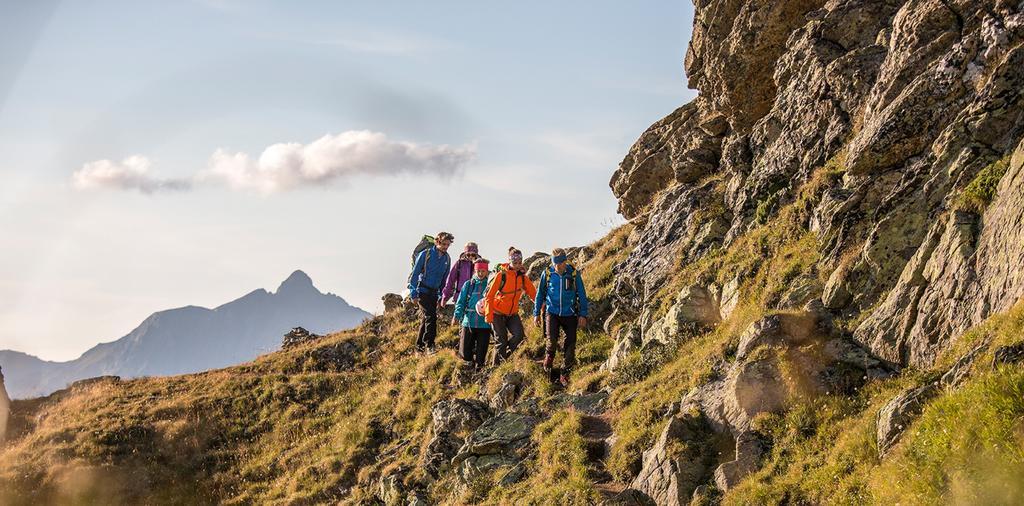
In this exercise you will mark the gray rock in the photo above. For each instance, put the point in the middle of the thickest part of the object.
(474, 466)
(629, 497)
(669, 476)
(1011, 354)
(392, 303)
(586, 403)
(297, 336)
(509, 391)
(459, 416)
(440, 450)
(899, 412)
(749, 451)
(505, 433)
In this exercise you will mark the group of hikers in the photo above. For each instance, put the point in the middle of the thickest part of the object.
(487, 306)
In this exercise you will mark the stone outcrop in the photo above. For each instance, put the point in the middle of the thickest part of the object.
(297, 336)
(817, 360)
(678, 462)
(5, 408)
(501, 441)
(908, 100)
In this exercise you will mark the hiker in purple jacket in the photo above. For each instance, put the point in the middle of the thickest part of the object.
(461, 272)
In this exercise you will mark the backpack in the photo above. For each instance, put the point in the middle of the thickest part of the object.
(425, 244)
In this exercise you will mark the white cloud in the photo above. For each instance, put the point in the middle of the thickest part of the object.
(330, 159)
(132, 173)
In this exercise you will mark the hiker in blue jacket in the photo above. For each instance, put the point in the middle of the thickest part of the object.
(476, 332)
(425, 284)
(561, 294)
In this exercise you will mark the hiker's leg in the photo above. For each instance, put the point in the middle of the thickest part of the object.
(500, 338)
(429, 305)
(466, 343)
(483, 338)
(571, 325)
(421, 342)
(516, 333)
(551, 325)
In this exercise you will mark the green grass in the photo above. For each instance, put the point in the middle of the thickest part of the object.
(980, 192)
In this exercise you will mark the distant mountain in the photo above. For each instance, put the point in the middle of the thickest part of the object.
(191, 338)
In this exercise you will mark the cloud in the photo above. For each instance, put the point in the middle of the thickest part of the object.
(331, 159)
(132, 173)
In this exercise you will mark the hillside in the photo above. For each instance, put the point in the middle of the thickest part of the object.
(816, 300)
(191, 338)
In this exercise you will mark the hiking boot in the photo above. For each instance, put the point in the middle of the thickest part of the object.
(549, 362)
(430, 350)
(563, 380)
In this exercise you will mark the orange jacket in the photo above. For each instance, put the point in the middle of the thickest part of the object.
(506, 301)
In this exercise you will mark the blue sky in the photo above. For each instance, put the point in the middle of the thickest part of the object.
(501, 123)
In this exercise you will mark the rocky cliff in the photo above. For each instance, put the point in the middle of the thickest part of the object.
(912, 108)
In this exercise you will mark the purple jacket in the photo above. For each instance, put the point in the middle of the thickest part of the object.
(461, 272)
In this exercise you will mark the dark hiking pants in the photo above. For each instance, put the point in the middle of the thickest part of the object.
(473, 345)
(508, 335)
(428, 321)
(567, 324)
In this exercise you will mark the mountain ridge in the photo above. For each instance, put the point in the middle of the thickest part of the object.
(261, 317)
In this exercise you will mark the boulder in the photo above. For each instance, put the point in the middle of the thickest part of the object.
(298, 336)
(749, 451)
(627, 339)
(897, 414)
(629, 497)
(587, 403)
(508, 393)
(678, 462)
(459, 416)
(1011, 354)
(392, 303)
(502, 441)
(439, 452)
(339, 356)
(505, 433)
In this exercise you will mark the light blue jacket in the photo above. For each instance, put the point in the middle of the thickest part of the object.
(429, 278)
(465, 308)
(552, 291)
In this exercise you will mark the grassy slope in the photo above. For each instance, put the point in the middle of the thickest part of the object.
(276, 430)
(280, 430)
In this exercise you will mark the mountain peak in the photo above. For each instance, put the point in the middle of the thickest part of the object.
(298, 281)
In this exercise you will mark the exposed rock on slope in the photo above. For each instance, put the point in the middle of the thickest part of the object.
(909, 100)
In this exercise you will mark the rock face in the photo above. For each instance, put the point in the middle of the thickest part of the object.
(5, 408)
(499, 442)
(781, 359)
(907, 100)
(669, 475)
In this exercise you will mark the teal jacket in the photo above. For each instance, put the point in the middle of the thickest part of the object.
(564, 295)
(465, 307)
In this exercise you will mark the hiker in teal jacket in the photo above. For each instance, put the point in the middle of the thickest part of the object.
(476, 332)
(425, 284)
(562, 295)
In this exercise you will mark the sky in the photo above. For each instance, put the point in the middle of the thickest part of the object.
(160, 154)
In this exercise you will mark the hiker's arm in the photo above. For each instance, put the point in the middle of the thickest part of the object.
(531, 291)
(492, 289)
(451, 285)
(413, 277)
(460, 304)
(543, 282)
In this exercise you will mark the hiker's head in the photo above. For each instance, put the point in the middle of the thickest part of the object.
(471, 251)
(515, 258)
(558, 259)
(443, 240)
(482, 267)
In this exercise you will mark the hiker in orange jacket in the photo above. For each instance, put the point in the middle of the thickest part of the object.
(502, 304)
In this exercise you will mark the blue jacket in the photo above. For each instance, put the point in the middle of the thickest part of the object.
(430, 278)
(560, 298)
(465, 308)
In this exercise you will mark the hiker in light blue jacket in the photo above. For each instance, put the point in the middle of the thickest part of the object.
(562, 295)
(476, 332)
(425, 284)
